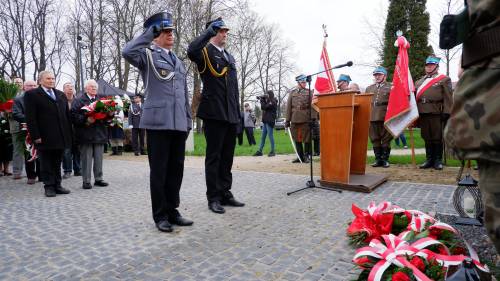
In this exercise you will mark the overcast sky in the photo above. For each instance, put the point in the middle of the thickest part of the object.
(349, 37)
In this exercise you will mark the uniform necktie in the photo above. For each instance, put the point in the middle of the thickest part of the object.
(51, 94)
(172, 57)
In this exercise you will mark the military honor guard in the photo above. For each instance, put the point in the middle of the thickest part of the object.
(379, 136)
(219, 109)
(434, 101)
(166, 115)
(297, 118)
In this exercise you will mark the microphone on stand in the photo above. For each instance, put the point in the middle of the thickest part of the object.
(349, 63)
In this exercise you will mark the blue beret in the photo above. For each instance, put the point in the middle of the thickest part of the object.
(432, 60)
(344, 77)
(301, 78)
(380, 69)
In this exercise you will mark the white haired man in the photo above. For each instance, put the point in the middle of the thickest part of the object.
(91, 136)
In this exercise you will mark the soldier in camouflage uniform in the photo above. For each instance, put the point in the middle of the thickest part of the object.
(297, 117)
(434, 100)
(473, 131)
(379, 136)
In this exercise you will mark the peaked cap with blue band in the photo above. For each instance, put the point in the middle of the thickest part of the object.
(162, 19)
(344, 77)
(380, 70)
(218, 23)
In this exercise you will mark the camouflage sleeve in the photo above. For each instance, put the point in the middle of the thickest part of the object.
(447, 96)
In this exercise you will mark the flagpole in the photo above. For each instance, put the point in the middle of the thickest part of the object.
(412, 143)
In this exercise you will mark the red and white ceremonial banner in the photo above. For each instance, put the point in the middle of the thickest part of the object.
(402, 107)
(325, 82)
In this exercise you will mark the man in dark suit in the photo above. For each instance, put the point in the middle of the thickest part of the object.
(134, 119)
(166, 115)
(91, 136)
(48, 120)
(219, 109)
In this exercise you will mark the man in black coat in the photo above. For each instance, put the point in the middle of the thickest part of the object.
(219, 109)
(91, 136)
(134, 120)
(48, 121)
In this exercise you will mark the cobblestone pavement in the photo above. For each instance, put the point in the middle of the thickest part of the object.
(107, 233)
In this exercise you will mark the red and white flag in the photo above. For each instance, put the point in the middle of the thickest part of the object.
(402, 108)
(325, 82)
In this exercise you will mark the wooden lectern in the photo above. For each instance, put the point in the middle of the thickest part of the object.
(344, 123)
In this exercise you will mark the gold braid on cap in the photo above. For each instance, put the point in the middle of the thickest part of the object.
(214, 72)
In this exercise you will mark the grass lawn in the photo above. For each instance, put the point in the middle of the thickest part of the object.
(282, 144)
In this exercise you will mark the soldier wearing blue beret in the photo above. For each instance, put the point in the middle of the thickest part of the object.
(379, 136)
(166, 115)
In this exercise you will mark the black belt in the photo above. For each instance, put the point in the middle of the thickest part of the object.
(424, 100)
(380, 103)
(481, 46)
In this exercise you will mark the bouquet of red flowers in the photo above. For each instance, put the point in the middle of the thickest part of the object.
(405, 244)
(100, 110)
(8, 92)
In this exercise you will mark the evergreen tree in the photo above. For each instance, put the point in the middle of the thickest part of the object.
(412, 19)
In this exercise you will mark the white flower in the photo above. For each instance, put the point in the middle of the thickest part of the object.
(6, 131)
(4, 121)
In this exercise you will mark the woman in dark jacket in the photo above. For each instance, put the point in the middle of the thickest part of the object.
(268, 104)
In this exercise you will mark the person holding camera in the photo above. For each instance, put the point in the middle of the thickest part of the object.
(219, 109)
(269, 105)
(249, 123)
(166, 115)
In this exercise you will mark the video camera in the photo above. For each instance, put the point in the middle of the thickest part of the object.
(263, 97)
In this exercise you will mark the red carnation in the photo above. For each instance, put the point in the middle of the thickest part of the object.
(418, 263)
(400, 276)
(434, 232)
(363, 262)
(443, 251)
(99, 116)
(458, 251)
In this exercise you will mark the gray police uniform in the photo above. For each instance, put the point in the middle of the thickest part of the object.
(166, 116)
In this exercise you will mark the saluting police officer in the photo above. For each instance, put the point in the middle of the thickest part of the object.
(166, 115)
(379, 136)
(434, 101)
(219, 108)
(297, 117)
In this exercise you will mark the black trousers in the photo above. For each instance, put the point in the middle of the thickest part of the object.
(250, 136)
(221, 141)
(32, 168)
(166, 168)
(137, 139)
(50, 166)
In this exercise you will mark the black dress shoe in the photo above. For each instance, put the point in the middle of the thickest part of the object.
(164, 226)
(180, 221)
(101, 183)
(77, 174)
(232, 202)
(50, 192)
(137, 153)
(87, 185)
(216, 207)
(62, 190)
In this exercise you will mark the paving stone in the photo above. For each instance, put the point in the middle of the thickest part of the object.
(107, 233)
